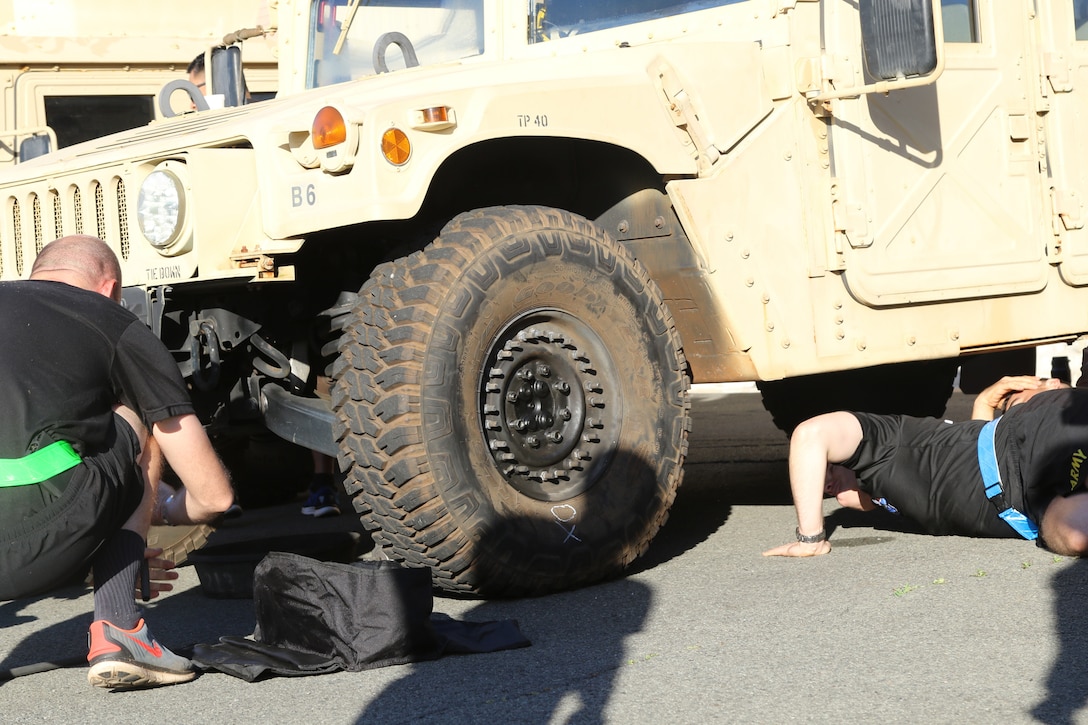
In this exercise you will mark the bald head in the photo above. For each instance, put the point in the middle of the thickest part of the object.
(82, 261)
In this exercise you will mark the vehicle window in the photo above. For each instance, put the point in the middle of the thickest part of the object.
(553, 19)
(960, 21)
(1080, 18)
(81, 118)
(355, 39)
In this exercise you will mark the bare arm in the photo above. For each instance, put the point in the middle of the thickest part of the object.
(829, 438)
(1064, 526)
(207, 492)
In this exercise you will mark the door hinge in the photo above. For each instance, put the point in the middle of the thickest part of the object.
(1067, 209)
(1058, 73)
(849, 218)
(685, 115)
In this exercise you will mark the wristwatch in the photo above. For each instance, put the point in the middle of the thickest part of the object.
(166, 504)
(814, 539)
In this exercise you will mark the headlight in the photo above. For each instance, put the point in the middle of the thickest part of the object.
(160, 208)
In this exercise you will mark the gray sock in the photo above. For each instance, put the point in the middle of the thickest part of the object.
(116, 566)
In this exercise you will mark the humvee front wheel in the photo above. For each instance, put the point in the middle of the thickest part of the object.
(513, 404)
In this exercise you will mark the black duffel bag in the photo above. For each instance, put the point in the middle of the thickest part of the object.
(316, 616)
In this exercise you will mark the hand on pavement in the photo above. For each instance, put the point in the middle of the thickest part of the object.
(796, 549)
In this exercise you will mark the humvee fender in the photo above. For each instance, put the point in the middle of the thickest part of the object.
(489, 430)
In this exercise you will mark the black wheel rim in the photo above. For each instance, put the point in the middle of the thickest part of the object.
(549, 415)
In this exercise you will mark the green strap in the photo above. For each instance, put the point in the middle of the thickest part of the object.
(41, 465)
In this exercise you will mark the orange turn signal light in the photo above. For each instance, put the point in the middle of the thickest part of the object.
(432, 118)
(329, 128)
(438, 114)
(395, 146)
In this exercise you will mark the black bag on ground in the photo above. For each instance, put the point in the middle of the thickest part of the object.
(315, 617)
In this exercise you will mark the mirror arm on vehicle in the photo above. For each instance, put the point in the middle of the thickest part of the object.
(884, 86)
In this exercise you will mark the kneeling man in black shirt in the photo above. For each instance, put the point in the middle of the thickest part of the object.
(92, 400)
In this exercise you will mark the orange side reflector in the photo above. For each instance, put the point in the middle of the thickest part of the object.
(395, 146)
(328, 129)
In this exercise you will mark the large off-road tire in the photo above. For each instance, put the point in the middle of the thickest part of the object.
(513, 404)
(915, 388)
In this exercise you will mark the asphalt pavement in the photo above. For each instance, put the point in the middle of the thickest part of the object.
(892, 627)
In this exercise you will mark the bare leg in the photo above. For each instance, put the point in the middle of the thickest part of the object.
(150, 463)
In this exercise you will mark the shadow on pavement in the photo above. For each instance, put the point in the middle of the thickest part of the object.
(567, 675)
(699, 511)
(1067, 683)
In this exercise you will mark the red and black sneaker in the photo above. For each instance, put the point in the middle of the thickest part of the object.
(128, 659)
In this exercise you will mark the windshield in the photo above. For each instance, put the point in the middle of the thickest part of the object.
(352, 39)
(554, 19)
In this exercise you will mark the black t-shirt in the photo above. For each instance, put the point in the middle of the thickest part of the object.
(1042, 444)
(67, 356)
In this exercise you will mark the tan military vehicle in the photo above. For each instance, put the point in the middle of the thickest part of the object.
(73, 71)
(514, 232)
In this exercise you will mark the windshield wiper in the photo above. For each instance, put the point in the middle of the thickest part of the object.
(345, 27)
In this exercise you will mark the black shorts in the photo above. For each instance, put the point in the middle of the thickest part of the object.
(927, 469)
(51, 530)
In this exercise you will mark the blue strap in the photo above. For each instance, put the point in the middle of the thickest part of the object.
(991, 480)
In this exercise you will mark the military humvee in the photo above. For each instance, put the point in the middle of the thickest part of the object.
(512, 233)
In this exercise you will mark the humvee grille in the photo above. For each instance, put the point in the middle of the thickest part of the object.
(122, 218)
(65, 216)
(99, 211)
(17, 219)
(77, 206)
(37, 207)
(58, 213)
